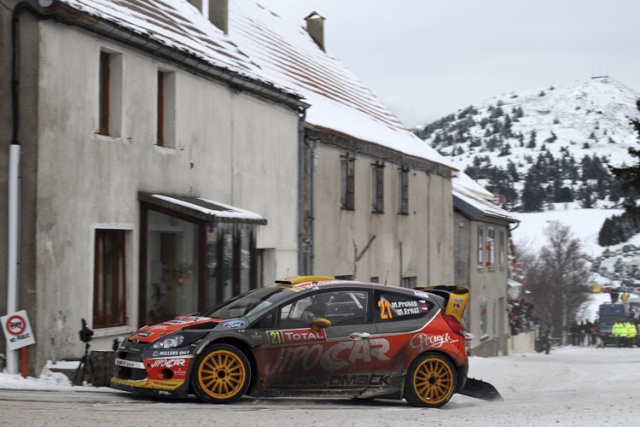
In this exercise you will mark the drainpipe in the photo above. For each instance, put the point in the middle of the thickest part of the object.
(302, 114)
(312, 207)
(15, 151)
(13, 244)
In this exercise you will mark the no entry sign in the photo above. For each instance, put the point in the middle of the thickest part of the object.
(17, 330)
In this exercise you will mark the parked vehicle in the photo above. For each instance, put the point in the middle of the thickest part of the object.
(309, 336)
(608, 314)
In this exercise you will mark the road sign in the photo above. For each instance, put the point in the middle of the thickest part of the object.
(17, 330)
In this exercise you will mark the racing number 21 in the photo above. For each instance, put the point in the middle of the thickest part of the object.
(385, 309)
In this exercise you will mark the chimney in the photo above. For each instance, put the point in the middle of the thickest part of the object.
(219, 14)
(217, 10)
(315, 28)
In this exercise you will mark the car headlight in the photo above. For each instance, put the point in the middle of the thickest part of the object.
(169, 342)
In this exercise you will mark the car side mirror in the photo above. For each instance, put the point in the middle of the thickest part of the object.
(320, 323)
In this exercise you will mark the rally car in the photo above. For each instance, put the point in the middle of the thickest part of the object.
(307, 336)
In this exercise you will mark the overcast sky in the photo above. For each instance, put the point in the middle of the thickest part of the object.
(428, 58)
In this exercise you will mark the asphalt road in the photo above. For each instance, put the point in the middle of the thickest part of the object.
(572, 386)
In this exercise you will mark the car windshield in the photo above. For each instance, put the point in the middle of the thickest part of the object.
(249, 303)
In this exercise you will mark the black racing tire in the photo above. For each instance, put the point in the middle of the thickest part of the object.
(221, 374)
(431, 381)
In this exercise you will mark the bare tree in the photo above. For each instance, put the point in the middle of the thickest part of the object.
(558, 278)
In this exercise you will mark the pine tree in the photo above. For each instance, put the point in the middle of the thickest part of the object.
(629, 177)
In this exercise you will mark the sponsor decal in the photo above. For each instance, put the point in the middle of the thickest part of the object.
(421, 294)
(359, 380)
(333, 358)
(168, 363)
(290, 336)
(160, 353)
(144, 334)
(424, 342)
(423, 306)
(129, 364)
(234, 324)
(157, 328)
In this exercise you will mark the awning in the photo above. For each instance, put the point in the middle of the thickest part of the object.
(513, 283)
(207, 210)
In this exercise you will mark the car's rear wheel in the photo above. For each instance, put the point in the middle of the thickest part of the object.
(221, 374)
(431, 381)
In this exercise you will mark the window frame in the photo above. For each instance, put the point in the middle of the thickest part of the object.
(377, 187)
(165, 111)
(110, 302)
(491, 246)
(480, 245)
(502, 253)
(403, 191)
(110, 84)
(104, 91)
(347, 182)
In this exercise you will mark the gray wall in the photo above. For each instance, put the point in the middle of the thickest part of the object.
(230, 147)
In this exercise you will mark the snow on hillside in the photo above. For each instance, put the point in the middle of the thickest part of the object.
(596, 111)
(585, 225)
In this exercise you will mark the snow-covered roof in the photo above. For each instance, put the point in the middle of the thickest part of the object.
(475, 201)
(339, 101)
(263, 46)
(207, 210)
(173, 29)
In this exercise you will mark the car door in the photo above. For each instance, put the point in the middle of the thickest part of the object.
(402, 321)
(340, 356)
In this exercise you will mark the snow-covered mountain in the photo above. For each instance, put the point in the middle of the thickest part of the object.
(543, 146)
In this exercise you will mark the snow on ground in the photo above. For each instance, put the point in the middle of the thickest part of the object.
(585, 225)
(572, 386)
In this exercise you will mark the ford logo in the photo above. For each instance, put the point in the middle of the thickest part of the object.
(234, 324)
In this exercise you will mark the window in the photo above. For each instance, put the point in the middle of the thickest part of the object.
(105, 81)
(403, 201)
(166, 110)
(491, 246)
(484, 325)
(409, 282)
(391, 307)
(109, 282)
(480, 237)
(345, 307)
(347, 182)
(377, 188)
(502, 253)
(110, 94)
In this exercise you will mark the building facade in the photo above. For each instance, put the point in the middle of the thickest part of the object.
(151, 172)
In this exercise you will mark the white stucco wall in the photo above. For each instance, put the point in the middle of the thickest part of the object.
(419, 244)
(230, 147)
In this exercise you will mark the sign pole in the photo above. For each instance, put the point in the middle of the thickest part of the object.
(24, 365)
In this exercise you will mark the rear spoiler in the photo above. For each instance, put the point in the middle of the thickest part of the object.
(456, 298)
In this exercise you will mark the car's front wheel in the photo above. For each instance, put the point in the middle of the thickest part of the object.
(431, 381)
(221, 374)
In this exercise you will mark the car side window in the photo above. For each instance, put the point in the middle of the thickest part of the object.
(392, 306)
(347, 307)
(342, 307)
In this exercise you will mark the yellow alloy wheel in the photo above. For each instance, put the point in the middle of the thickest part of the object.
(221, 374)
(431, 381)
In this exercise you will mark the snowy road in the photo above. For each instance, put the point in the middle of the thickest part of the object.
(570, 387)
